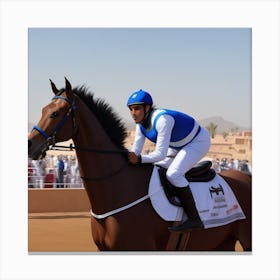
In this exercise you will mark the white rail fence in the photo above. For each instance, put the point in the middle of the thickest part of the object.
(47, 181)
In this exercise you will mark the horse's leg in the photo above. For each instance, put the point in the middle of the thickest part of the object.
(161, 242)
(243, 237)
(227, 245)
(246, 245)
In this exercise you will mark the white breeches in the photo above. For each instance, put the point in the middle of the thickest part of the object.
(178, 162)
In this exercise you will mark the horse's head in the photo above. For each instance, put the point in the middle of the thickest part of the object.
(57, 122)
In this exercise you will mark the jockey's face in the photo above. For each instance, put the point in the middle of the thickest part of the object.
(137, 112)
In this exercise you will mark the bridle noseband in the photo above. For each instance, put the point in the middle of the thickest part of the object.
(50, 139)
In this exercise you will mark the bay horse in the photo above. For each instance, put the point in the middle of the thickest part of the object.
(111, 182)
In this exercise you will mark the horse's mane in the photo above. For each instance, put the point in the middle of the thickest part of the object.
(108, 118)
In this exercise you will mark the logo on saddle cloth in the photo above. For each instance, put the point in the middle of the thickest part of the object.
(217, 191)
(218, 197)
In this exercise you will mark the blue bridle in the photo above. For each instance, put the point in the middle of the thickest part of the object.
(71, 110)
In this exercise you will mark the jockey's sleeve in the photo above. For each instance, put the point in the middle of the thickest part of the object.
(138, 141)
(164, 128)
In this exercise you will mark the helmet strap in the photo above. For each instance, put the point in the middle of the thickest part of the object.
(147, 113)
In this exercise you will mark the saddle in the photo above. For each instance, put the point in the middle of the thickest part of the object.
(202, 172)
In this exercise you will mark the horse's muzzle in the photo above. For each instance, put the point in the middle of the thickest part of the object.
(36, 150)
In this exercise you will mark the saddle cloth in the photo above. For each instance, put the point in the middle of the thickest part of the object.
(215, 201)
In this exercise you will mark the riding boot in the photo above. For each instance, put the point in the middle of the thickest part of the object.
(193, 222)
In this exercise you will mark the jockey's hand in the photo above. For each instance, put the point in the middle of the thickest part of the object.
(133, 158)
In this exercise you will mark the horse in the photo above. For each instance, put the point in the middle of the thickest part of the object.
(99, 135)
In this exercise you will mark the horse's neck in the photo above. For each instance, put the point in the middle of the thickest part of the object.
(92, 135)
(94, 165)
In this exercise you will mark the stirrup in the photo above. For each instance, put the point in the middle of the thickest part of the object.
(188, 225)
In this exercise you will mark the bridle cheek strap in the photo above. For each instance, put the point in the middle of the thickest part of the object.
(61, 123)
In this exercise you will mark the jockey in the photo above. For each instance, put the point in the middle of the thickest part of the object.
(180, 143)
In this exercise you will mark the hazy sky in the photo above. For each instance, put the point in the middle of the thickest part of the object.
(203, 72)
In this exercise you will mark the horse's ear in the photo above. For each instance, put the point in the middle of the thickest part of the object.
(54, 89)
(68, 88)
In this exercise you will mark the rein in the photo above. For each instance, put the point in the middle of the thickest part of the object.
(50, 139)
(99, 178)
(83, 149)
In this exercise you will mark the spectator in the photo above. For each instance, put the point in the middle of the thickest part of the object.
(236, 164)
(244, 167)
(60, 173)
(230, 164)
(30, 174)
(216, 165)
(42, 167)
(50, 179)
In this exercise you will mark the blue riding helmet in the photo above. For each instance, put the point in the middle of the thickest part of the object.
(140, 97)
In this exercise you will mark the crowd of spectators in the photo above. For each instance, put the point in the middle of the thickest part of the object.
(63, 171)
(227, 164)
(54, 172)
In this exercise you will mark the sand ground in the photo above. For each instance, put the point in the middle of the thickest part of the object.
(60, 232)
(63, 232)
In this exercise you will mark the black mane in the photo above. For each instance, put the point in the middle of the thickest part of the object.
(109, 120)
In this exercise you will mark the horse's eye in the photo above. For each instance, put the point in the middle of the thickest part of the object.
(54, 114)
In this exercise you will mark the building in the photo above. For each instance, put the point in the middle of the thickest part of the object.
(232, 146)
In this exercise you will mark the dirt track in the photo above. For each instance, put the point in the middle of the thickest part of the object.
(62, 232)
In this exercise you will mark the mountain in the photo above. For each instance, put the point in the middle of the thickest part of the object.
(222, 125)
